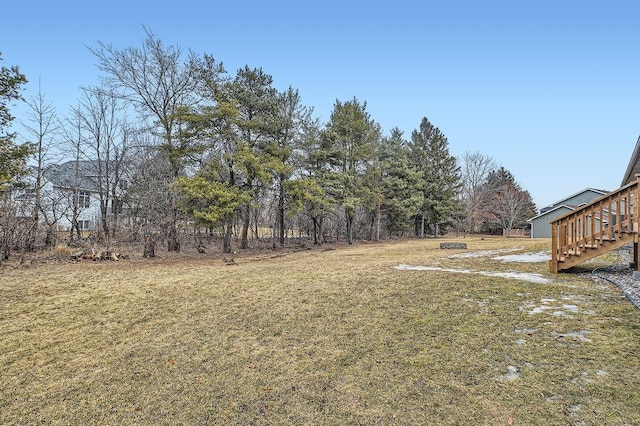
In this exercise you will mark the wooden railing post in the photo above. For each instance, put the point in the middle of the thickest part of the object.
(635, 222)
(554, 248)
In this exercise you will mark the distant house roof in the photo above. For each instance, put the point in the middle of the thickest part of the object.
(72, 174)
(564, 200)
(552, 210)
(634, 166)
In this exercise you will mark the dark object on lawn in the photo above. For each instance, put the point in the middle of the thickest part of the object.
(444, 246)
(98, 255)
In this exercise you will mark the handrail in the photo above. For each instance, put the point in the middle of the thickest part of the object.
(589, 226)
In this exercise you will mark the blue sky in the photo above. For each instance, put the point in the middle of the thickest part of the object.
(549, 89)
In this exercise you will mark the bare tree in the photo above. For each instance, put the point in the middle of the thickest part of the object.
(12, 224)
(42, 127)
(476, 168)
(54, 205)
(147, 199)
(511, 207)
(105, 139)
(73, 147)
(157, 81)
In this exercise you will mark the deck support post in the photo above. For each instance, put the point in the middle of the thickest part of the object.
(553, 263)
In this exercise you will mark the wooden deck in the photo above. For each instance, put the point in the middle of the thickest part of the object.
(596, 228)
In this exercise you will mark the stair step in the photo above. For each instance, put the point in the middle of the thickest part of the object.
(605, 239)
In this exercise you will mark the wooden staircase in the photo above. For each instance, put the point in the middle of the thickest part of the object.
(594, 229)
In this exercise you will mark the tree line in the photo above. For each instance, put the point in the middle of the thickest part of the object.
(179, 148)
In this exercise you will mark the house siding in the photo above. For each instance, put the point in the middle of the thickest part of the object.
(541, 225)
(88, 214)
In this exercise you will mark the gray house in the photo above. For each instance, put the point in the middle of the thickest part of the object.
(540, 224)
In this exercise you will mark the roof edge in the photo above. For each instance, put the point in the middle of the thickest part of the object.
(560, 202)
(633, 161)
(567, 206)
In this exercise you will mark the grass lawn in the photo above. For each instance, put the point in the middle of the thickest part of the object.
(317, 337)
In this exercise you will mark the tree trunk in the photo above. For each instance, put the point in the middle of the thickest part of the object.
(314, 220)
(226, 239)
(114, 223)
(49, 239)
(256, 222)
(172, 238)
(318, 238)
(173, 243)
(36, 218)
(349, 223)
(280, 216)
(375, 225)
(103, 220)
(149, 246)
(244, 239)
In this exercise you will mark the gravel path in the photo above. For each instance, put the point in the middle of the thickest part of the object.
(621, 275)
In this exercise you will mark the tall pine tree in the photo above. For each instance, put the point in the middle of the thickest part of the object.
(349, 141)
(440, 179)
(399, 179)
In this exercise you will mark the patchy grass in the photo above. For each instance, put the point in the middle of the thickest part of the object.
(316, 337)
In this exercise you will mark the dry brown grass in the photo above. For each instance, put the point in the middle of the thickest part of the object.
(315, 337)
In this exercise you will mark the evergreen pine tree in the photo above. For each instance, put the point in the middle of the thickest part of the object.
(349, 142)
(440, 179)
(12, 156)
(401, 195)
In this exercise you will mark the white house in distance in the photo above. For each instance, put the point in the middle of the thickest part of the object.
(70, 191)
(66, 182)
(540, 224)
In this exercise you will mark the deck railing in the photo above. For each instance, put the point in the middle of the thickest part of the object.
(590, 226)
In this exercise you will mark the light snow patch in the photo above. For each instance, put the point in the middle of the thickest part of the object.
(431, 268)
(570, 308)
(525, 330)
(512, 374)
(525, 257)
(574, 335)
(558, 311)
(484, 253)
(523, 276)
(538, 310)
